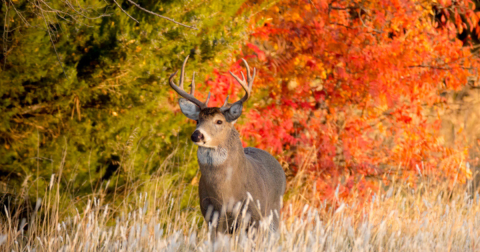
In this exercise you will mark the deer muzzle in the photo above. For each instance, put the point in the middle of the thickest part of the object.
(197, 136)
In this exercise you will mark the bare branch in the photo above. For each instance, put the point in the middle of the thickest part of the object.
(125, 11)
(363, 23)
(438, 68)
(313, 5)
(19, 14)
(53, 44)
(5, 38)
(33, 108)
(80, 13)
(158, 15)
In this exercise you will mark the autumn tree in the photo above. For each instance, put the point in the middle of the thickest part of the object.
(349, 90)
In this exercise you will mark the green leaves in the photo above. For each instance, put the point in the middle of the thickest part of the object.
(113, 116)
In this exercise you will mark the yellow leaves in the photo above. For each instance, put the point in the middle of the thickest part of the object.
(287, 112)
(323, 74)
(138, 49)
(381, 127)
(441, 140)
(317, 83)
(114, 113)
(296, 62)
(318, 113)
(460, 28)
(395, 27)
(473, 20)
(292, 84)
(113, 23)
(383, 99)
(296, 17)
(194, 181)
(460, 130)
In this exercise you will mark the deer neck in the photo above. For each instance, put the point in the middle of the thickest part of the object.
(226, 154)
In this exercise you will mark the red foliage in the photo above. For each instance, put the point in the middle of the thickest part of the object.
(348, 89)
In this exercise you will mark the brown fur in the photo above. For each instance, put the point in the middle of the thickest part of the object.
(209, 112)
(229, 171)
(231, 175)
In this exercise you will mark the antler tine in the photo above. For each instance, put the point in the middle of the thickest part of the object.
(225, 105)
(181, 92)
(182, 73)
(248, 68)
(243, 84)
(246, 84)
(208, 98)
(250, 78)
(226, 101)
(192, 86)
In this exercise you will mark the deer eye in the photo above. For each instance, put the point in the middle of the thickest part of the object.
(219, 122)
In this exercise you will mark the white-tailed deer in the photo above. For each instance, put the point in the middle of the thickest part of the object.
(230, 174)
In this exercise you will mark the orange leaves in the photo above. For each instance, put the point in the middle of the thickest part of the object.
(346, 89)
(260, 54)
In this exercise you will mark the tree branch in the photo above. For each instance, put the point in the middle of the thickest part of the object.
(438, 68)
(125, 11)
(53, 44)
(158, 15)
(5, 38)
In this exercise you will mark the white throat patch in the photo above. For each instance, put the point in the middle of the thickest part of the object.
(209, 156)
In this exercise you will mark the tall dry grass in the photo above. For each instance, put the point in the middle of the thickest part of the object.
(430, 217)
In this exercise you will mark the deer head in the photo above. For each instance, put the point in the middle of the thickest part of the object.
(213, 123)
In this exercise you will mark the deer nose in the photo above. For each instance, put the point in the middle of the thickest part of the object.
(197, 136)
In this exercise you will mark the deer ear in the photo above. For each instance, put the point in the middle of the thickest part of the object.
(189, 109)
(234, 112)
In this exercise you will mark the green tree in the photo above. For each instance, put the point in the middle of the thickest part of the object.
(84, 91)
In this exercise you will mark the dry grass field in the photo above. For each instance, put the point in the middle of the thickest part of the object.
(429, 217)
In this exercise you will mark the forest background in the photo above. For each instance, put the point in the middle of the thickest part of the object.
(350, 96)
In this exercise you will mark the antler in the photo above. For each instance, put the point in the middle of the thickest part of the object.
(181, 92)
(246, 84)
